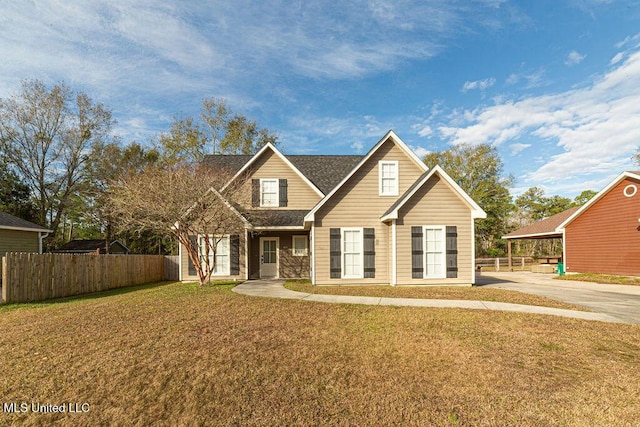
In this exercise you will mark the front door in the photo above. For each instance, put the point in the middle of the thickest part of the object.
(268, 257)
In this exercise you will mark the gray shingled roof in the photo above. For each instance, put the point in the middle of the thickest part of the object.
(276, 218)
(13, 222)
(88, 245)
(324, 171)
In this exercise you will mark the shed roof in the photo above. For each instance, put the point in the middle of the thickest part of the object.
(87, 245)
(543, 229)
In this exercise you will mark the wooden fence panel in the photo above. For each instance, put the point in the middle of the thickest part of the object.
(34, 277)
(172, 267)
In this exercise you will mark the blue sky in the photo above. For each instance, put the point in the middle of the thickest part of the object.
(555, 85)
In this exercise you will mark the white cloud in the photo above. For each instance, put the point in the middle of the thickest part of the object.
(631, 41)
(481, 85)
(595, 129)
(358, 146)
(420, 151)
(619, 56)
(574, 58)
(531, 79)
(425, 131)
(518, 147)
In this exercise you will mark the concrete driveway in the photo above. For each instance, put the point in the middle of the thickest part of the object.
(619, 301)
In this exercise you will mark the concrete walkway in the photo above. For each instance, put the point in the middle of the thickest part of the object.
(275, 289)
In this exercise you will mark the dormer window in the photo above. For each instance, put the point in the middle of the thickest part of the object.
(269, 193)
(388, 177)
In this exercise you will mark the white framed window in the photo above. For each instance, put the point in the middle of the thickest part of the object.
(388, 177)
(352, 253)
(222, 264)
(434, 252)
(269, 193)
(300, 246)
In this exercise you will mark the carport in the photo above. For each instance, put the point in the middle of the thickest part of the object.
(543, 229)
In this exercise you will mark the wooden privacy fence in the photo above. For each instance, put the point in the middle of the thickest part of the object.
(34, 277)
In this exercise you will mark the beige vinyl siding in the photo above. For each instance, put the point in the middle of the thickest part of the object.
(436, 203)
(358, 204)
(300, 195)
(184, 262)
(18, 241)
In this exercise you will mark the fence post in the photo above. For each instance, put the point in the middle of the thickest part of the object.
(497, 264)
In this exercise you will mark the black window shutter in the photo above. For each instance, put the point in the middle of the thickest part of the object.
(452, 251)
(369, 253)
(283, 193)
(417, 253)
(194, 244)
(255, 192)
(234, 251)
(335, 253)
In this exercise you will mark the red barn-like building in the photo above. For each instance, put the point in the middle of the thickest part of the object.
(603, 236)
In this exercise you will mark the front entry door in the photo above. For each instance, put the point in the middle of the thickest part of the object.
(268, 257)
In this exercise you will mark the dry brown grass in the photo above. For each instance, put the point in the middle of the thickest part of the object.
(176, 354)
(601, 278)
(475, 293)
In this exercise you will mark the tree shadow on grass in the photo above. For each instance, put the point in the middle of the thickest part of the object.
(89, 296)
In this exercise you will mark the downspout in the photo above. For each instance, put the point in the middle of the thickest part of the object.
(473, 251)
(312, 258)
(564, 249)
(394, 254)
(40, 238)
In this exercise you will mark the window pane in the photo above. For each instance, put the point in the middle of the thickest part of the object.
(299, 245)
(434, 252)
(269, 192)
(388, 178)
(352, 256)
(222, 255)
(269, 251)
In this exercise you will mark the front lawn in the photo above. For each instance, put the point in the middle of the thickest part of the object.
(601, 278)
(177, 354)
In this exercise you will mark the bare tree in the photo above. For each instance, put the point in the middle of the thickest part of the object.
(183, 200)
(47, 136)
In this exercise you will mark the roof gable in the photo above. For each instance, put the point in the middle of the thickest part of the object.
(597, 197)
(269, 146)
(392, 212)
(390, 136)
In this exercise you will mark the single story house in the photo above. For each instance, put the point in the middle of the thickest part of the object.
(381, 218)
(92, 247)
(19, 235)
(602, 236)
